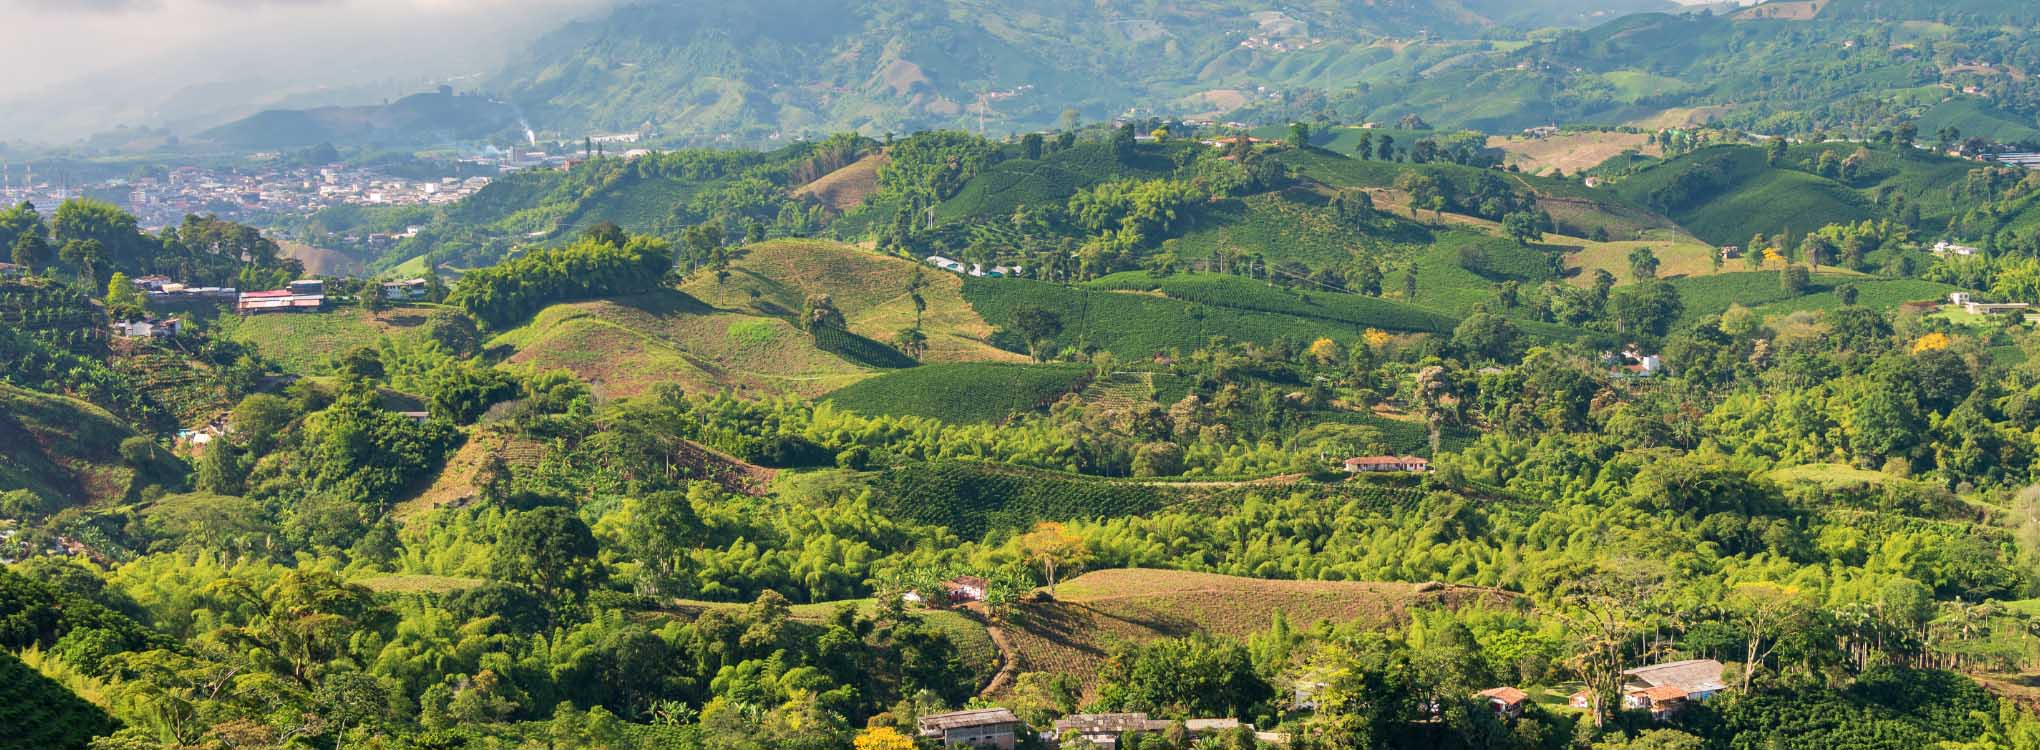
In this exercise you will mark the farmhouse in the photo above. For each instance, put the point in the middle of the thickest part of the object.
(1506, 702)
(1945, 247)
(947, 264)
(308, 294)
(986, 727)
(1973, 307)
(404, 291)
(1368, 464)
(1103, 731)
(1664, 689)
(966, 588)
(151, 328)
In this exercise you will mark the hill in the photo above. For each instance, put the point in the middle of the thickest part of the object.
(1762, 291)
(963, 392)
(748, 70)
(41, 714)
(308, 343)
(64, 450)
(622, 347)
(1723, 194)
(1073, 632)
(775, 278)
(419, 119)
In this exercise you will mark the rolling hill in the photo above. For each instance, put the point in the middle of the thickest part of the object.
(63, 450)
(419, 119)
(623, 347)
(749, 69)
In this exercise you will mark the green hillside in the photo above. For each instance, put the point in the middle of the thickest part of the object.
(1723, 194)
(961, 393)
(1763, 291)
(64, 450)
(41, 714)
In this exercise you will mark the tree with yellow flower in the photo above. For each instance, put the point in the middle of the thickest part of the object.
(1325, 351)
(1932, 342)
(882, 738)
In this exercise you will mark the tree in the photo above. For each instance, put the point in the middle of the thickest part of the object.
(1299, 135)
(819, 311)
(1774, 151)
(1039, 326)
(1123, 140)
(1847, 293)
(1031, 146)
(1643, 264)
(1052, 546)
(882, 738)
(1765, 613)
(1409, 284)
(372, 298)
(1522, 227)
(31, 251)
(123, 300)
(1794, 279)
(1487, 336)
(911, 342)
(548, 550)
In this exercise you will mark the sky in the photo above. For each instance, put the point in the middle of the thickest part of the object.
(136, 49)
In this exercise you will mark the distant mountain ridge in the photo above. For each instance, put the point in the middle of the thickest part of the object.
(747, 70)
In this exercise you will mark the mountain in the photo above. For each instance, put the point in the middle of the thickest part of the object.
(747, 70)
(427, 118)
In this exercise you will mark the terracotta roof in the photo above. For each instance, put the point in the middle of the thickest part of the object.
(1507, 695)
(983, 717)
(1664, 693)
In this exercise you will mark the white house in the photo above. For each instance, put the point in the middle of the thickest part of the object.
(1945, 247)
(153, 328)
(404, 291)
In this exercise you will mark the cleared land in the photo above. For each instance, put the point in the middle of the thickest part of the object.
(846, 188)
(1678, 256)
(306, 343)
(1571, 152)
(1073, 632)
(320, 261)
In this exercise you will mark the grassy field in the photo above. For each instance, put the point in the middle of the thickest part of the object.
(962, 392)
(417, 584)
(1828, 475)
(1073, 633)
(846, 188)
(1762, 291)
(1678, 256)
(62, 449)
(307, 343)
(1570, 152)
(774, 279)
(624, 346)
(994, 193)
